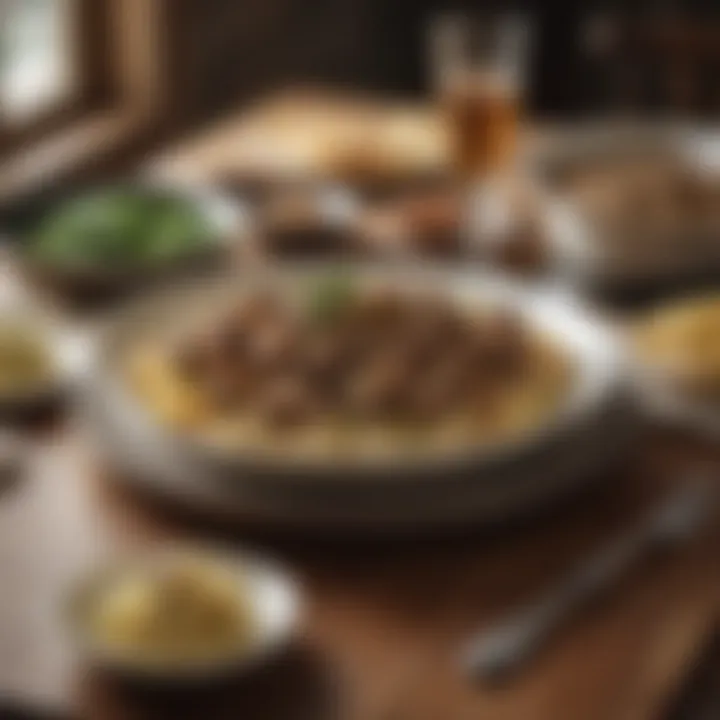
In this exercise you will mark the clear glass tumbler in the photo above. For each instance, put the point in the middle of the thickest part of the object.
(478, 66)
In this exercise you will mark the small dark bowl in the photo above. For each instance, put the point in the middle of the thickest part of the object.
(399, 186)
(84, 287)
(301, 220)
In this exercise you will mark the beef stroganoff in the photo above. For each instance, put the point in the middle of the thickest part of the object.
(338, 369)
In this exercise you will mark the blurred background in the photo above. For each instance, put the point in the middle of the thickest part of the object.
(167, 67)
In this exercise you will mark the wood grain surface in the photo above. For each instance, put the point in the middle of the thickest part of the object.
(700, 698)
(383, 620)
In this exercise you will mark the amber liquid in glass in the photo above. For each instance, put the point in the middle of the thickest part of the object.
(482, 117)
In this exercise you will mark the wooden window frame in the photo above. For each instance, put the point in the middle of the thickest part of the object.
(126, 96)
(120, 52)
(88, 29)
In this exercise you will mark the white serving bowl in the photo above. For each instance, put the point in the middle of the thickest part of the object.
(471, 482)
(60, 349)
(266, 591)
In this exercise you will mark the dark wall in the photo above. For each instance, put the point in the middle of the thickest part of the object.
(234, 50)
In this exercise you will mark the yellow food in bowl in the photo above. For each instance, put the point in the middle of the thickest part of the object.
(683, 342)
(24, 360)
(191, 612)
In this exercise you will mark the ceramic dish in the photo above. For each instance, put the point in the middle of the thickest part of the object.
(591, 352)
(476, 483)
(60, 354)
(638, 254)
(308, 219)
(676, 361)
(228, 222)
(488, 496)
(266, 598)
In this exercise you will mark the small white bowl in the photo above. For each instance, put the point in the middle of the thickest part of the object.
(54, 343)
(271, 595)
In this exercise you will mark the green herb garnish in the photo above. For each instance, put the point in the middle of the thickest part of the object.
(330, 298)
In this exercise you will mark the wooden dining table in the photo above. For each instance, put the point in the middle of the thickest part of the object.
(383, 618)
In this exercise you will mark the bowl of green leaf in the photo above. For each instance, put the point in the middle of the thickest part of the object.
(103, 243)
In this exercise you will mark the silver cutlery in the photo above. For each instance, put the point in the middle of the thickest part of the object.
(507, 646)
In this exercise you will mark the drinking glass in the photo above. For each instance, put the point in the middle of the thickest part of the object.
(478, 65)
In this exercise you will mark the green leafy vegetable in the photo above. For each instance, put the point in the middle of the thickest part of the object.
(121, 229)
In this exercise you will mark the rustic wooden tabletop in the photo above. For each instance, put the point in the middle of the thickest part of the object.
(384, 619)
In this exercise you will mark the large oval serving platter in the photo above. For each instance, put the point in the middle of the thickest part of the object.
(577, 440)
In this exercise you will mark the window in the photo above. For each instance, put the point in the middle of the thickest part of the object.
(83, 85)
(36, 71)
(58, 63)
